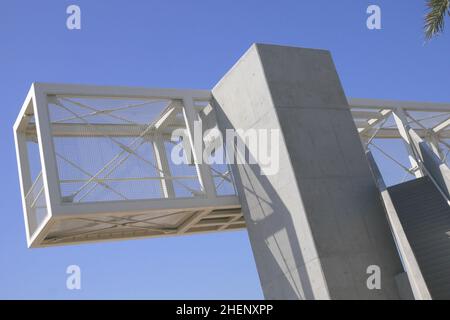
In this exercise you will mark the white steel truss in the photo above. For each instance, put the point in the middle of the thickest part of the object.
(384, 127)
(104, 169)
(94, 161)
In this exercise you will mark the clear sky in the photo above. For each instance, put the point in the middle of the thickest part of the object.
(184, 44)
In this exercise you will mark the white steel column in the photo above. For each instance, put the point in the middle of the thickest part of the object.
(402, 125)
(191, 118)
(162, 164)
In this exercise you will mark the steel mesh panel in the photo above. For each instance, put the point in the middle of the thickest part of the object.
(105, 149)
(184, 182)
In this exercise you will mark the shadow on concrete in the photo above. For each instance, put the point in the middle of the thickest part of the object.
(275, 218)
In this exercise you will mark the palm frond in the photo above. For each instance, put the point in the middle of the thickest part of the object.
(435, 18)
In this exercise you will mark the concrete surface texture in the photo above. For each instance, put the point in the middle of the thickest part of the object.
(318, 223)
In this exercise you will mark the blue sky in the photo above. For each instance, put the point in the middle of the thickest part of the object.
(183, 44)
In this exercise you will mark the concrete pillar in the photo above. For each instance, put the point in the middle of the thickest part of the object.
(318, 223)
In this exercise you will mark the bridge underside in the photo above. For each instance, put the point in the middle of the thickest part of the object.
(144, 225)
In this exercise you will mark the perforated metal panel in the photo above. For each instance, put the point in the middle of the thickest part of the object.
(105, 149)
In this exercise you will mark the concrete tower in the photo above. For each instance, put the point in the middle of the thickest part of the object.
(318, 224)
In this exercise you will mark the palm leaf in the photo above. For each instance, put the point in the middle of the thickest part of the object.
(435, 18)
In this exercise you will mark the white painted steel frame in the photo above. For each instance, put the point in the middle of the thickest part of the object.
(56, 209)
(371, 114)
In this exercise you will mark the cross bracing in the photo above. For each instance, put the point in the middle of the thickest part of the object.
(382, 126)
(108, 172)
(114, 151)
